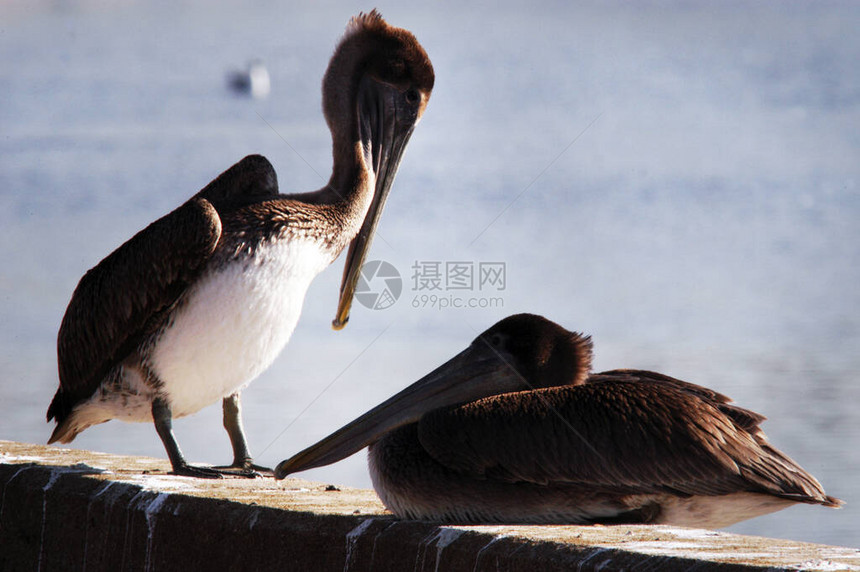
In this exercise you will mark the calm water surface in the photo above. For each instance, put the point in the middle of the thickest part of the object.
(680, 181)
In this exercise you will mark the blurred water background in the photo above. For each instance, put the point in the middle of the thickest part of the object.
(678, 179)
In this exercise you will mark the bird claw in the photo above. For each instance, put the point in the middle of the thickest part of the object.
(198, 472)
(245, 469)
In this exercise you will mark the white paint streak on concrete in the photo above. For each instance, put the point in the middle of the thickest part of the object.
(352, 538)
(444, 537)
(150, 512)
(12, 478)
(97, 494)
(56, 472)
(253, 520)
(376, 538)
(487, 545)
(441, 537)
(597, 552)
(128, 514)
(161, 483)
(52, 480)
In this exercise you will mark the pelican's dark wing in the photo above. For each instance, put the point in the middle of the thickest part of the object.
(251, 179)
(744, 418)
(625, 436)
(116, 301)
(120, 301)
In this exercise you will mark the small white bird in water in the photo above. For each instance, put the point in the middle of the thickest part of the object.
(253, 80)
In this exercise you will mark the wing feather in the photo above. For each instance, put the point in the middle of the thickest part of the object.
(744, 418)
(115, 302)
(631, 432)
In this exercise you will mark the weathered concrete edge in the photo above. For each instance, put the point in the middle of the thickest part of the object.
(104, 522)
(110, 525)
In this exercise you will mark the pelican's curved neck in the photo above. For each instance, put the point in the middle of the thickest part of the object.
(351, 178)
(352, 182)
(350, 188)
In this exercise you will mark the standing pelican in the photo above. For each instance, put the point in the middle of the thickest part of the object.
(514, 429)
(196, 305)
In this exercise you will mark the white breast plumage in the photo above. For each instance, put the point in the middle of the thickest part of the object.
(234, 322)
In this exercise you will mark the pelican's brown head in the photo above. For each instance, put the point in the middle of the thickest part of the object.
(543, 353)
(375, 90)
(372, 49)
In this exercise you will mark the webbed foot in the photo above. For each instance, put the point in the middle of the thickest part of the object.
(245, 468)
(186, 470)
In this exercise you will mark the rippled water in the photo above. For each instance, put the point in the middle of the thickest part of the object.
(678, 180)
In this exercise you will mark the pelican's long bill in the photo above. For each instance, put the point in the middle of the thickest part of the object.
(384, 136)
(476, 372)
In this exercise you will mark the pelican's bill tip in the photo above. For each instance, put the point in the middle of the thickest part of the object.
(281, 471)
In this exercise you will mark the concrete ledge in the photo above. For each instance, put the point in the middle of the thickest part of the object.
(78, 510)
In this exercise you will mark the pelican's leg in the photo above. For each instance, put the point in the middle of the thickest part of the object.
(163, 419)
(242, 460)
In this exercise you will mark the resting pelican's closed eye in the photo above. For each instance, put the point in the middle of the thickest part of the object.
(516, 429)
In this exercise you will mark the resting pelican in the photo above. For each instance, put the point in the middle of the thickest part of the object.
(515, 430)
(196, 305)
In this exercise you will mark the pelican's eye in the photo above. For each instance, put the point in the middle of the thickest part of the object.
(496, 340)
(412, 96)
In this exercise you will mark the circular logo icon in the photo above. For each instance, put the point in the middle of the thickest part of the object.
(379, 285)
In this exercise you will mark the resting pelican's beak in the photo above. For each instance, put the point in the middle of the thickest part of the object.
(476, 372)
(387, 117)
